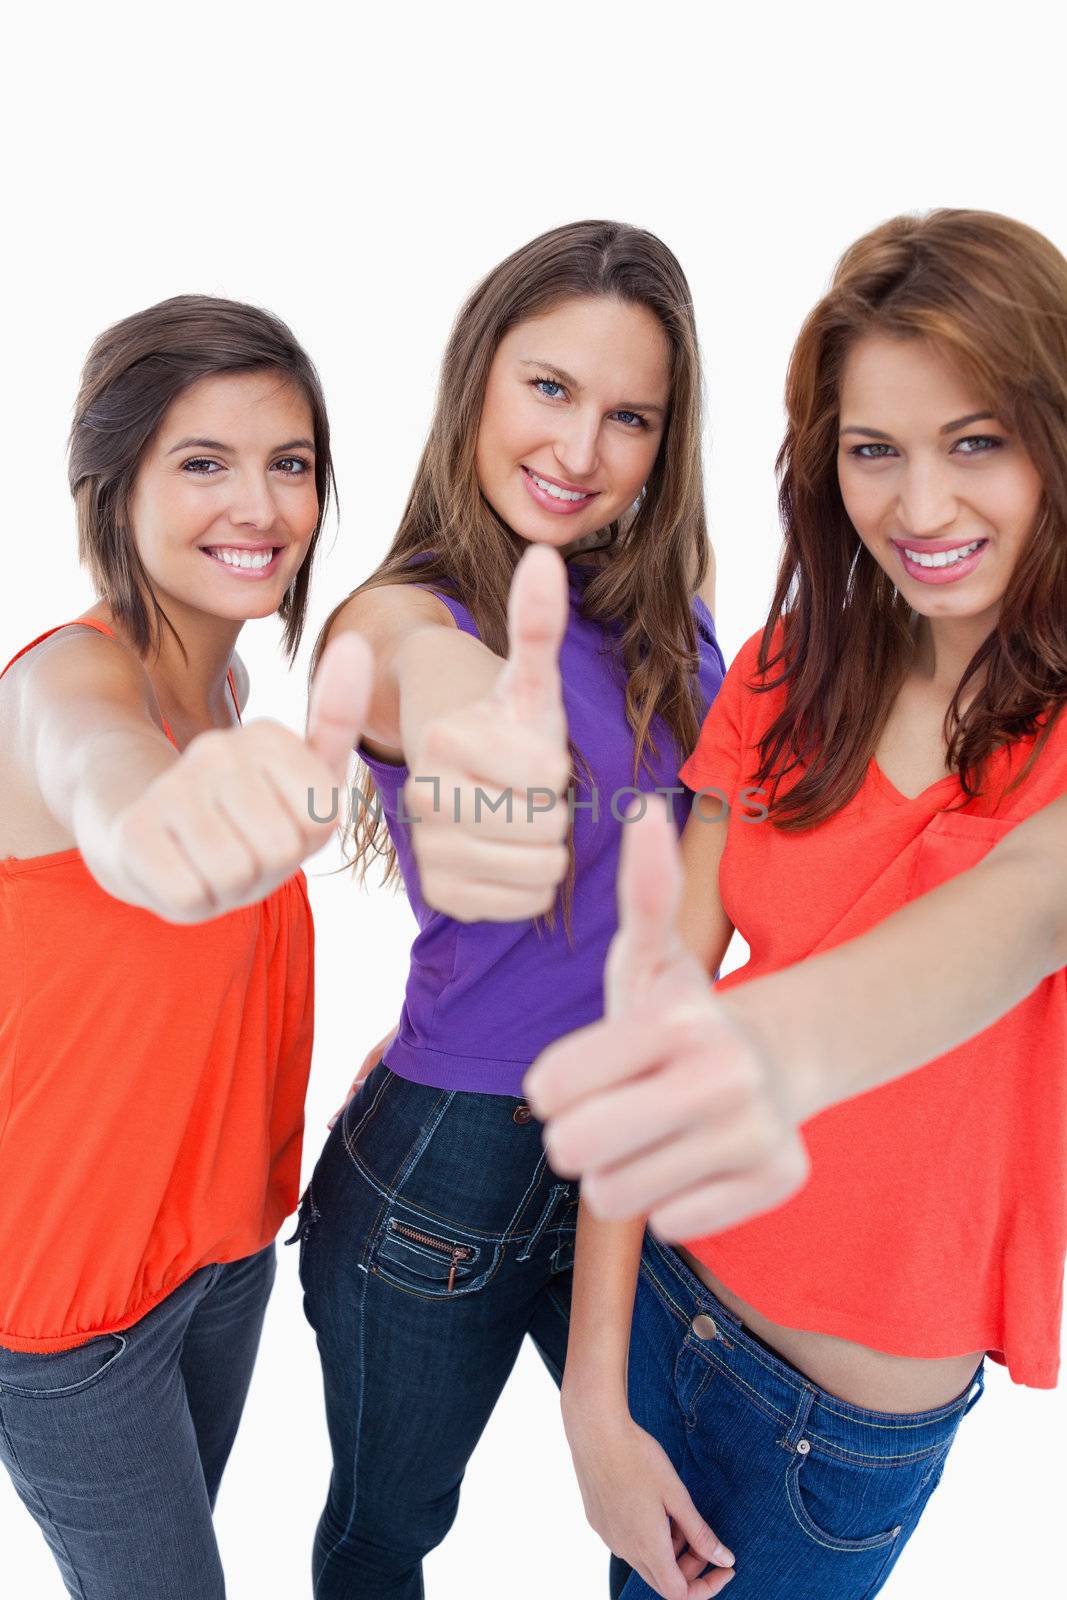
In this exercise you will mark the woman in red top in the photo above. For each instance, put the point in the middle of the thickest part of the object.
(804, 1362)
(156, 943)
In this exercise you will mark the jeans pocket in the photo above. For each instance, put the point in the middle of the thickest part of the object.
(836, 1501)
(61, 1373)
(431, 1259)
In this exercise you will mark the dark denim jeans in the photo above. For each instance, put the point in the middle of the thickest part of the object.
(433, 1238)
(815, 1497)
(117, 1447)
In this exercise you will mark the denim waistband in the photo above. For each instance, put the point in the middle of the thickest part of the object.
(781, 1391)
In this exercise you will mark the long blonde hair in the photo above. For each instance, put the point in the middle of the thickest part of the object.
(451, 539)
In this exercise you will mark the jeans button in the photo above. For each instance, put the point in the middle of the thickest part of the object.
(521, 1114)
(704, 1326)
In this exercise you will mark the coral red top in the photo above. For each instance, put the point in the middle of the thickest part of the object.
(152, 1082)
(934, 1221)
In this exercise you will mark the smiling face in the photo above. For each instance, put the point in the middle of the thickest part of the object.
(939, 490)
(574, 413)
(224, 503)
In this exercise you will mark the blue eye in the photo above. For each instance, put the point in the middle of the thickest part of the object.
(635, 421)
(541, 384)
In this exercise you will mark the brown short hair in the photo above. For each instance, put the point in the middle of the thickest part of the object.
(133, 373)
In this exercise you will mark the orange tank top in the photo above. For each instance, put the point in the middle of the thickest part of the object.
(934, 1219)
(152, 1082)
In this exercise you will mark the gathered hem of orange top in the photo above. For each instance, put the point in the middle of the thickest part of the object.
(923, 1341)
(53, 1344)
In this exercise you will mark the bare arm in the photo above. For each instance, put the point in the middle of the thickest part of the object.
(187, 836)
(424, 665)
(638, 1112)
(484, 738)
(88, 734)
(628, 1485)
(607, 1253)
(964, 954)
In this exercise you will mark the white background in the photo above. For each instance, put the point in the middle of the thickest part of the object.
(357, 175)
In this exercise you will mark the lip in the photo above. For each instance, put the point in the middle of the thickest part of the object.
(248, 573)
(548, 502)
(939, 575)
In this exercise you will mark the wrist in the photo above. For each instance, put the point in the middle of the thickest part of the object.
(773, 1026)
(591, 1394)
(587, 1416)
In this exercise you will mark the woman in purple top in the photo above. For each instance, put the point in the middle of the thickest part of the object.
(521, 704)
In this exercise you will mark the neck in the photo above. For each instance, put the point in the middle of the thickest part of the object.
(945, 646)
(599, 540)
(195, 681)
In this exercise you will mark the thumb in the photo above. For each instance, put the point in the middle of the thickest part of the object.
(649, 887)
(537, 620)
(340, 696)
(688, 1521)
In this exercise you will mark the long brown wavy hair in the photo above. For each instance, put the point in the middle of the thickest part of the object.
(991, 294)
(451, 539)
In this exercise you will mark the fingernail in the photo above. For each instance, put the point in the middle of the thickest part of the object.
(722, 1556)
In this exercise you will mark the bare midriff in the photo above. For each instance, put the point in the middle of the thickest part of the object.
(853, 1372)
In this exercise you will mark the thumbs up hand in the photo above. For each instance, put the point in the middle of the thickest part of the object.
(237, 812)
(666, 1107)
(487, 792)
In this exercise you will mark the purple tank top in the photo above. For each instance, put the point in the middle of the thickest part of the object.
(484, 998)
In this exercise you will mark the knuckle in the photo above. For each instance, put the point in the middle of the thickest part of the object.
(207, 749)
(280, 853)
(415, 804)
(436, 740)
(184, 903)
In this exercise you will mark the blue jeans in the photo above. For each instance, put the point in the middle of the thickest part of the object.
(814, 1496)
(433, 1238)
(117, 1447)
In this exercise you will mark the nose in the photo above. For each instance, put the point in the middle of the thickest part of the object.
(252, 505)
(577, 446)
(927, 504)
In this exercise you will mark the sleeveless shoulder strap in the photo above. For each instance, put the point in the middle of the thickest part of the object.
(100, 627)
(79, 622)
(233, 690)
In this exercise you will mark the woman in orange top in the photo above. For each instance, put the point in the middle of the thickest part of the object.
(798, 1370)
(156, 943)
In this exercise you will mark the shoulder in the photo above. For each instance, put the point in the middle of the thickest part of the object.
(241, 680)
(742, 695)
(707, 588)
(745, 665)
(76, 671)
(389, 606)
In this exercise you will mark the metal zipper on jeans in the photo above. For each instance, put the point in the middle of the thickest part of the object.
(458, 1252)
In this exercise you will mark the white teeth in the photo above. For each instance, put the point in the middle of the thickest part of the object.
(243, 558)
(943, 558)
(556, 492)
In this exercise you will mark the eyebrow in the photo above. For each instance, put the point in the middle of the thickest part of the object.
(949, 427)
(228, 450)
(565, 377)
